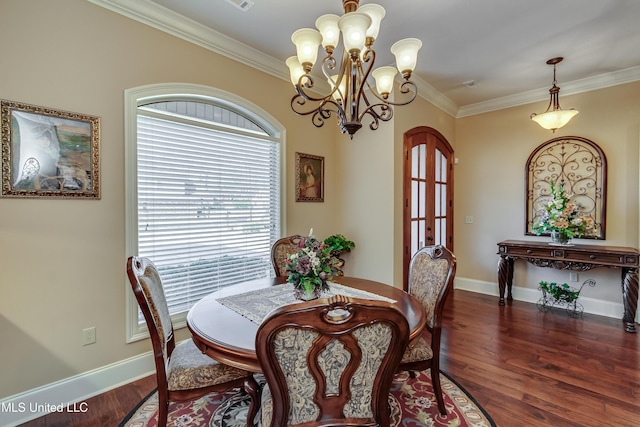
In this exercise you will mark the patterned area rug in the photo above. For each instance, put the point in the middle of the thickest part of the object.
(412, 404)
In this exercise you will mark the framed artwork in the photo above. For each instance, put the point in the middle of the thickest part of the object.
(49, 153)
(577, 163)
(309, 178)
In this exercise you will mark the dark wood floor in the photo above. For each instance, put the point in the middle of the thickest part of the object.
(526, 368)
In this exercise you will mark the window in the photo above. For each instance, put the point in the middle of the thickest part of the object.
(203, 192)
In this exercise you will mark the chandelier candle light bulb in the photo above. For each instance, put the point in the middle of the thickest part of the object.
(307, 41)
(352, 97)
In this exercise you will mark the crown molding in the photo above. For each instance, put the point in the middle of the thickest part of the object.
(163, 19)
(435, 97)
(168, 21)
(601, 81)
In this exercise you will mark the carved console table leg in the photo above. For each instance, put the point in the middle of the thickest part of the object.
(630, 298)
(505, 278)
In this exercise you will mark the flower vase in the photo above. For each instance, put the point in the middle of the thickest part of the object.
(307, 294)
(558, 238)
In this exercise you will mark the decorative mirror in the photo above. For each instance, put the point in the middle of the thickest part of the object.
(580, 166)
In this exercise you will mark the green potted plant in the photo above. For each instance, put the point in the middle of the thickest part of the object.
(562, 292)
(338, 244)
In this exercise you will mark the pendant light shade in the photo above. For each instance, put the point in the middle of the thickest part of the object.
(555, 117)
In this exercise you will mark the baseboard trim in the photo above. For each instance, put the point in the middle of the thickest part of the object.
(69, 394)
(591, 305)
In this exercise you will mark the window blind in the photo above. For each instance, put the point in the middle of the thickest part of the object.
(208, 206)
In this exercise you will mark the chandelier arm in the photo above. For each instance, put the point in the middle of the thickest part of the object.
(385, 114)
(327, 66)
(363, 77)
(319, 113)
(300, 88)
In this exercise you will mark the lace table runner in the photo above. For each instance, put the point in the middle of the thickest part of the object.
(256, 305)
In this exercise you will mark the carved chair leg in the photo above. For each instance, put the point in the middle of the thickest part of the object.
(253, 390)
(437, 390)
(163, 408)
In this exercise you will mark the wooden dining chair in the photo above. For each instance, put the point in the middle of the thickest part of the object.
(182, 371)
(330, 362)
(431, 273)
(281, 249)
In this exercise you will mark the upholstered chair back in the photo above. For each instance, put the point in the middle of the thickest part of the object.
(431, 274)
(183, 372)
(330, 361)
(281, 249)
(153, 304)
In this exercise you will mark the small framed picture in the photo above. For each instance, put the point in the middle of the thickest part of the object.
(49, 153)
(309, 178)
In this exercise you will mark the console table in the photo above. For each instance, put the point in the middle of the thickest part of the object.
(577, 258)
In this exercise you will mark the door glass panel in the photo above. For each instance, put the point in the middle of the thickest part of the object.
(414, 199)
(443, 199)
(423, 161)
(442, 161)
(414, 161)
(414, 237)
(421, 233)
(422, 200)
(438, 200)
(438, 165)
(443, 231)
(438, 233)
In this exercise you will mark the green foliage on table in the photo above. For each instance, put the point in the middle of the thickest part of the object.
(562, 292)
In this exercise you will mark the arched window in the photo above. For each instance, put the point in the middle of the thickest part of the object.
(203, 174)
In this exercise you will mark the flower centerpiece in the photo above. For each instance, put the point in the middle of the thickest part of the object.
(311, 268)
(563, 218)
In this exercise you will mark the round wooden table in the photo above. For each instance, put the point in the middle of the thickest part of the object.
(229, 337)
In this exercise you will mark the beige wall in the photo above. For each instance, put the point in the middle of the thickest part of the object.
(372, 167)
(492, 149)
(62, 261)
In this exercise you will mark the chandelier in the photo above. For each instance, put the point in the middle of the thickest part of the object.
(350, 96)
(557, 117)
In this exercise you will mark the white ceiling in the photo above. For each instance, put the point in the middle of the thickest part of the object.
(501, 45)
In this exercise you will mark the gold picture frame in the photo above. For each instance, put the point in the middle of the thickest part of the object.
(309, 178)
(48, 152)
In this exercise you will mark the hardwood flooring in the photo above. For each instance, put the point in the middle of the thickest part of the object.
(524, 367)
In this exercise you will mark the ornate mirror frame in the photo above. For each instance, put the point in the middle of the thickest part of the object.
(581, 166)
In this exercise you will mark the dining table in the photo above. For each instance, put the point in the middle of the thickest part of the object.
(224, 323)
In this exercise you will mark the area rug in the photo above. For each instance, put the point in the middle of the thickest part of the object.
(412, 404)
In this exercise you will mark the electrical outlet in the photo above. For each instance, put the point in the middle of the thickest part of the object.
(468, 219)
(89, 336)
(573, 276)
